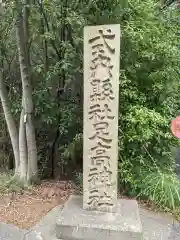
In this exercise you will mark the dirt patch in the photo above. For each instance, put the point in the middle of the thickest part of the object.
(27, 208)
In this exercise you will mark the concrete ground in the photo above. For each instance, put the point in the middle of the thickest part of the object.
(159, 226)
(156, 226)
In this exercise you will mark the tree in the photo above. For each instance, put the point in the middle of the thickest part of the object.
(4, 97)
(9, 118)
(24, 143)
(27, 141)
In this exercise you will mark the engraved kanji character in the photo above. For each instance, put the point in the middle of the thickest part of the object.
(102, 60)
(100, 132)
(100, 151)
(98, 48)
(94, 39)
(98, 51)
(99, 176)
(105, 36)
(98, 114)
(101, 160)
(93, 198)
(96, 96)
(105, 175)
(106, 112)
(101, 128)
(105, 200)
(93, 175)
(107, 90)
(108, 36)
(95, 112)
(101, 146)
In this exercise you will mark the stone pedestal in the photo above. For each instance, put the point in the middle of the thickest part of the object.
(75, 223)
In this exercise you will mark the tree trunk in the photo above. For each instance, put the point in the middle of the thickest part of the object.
(22, 149)
(27, 93)
(9, 120)
(32, 149)
(26, 12)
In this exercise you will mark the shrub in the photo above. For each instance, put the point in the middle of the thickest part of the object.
(150, 62)
(161, 188)
(8, 183)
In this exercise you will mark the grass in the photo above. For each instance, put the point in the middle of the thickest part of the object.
(8, 183)
(162, 190)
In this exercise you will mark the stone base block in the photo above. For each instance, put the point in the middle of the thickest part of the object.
(75, 223)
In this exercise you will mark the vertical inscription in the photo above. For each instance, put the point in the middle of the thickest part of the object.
(101, 89)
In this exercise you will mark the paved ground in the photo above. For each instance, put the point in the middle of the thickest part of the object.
(10, 232)
(159, 226)
(156, 227)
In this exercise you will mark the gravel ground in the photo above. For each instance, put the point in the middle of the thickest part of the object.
(26, 209)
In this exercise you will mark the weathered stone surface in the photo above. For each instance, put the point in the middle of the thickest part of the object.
(175, 232)
(156, 226)
(76, 223)
(10, 232)
(46, 227)
(101, 100)
(33, 235)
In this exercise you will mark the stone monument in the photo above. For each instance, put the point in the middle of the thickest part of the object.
(99, 214)
(101, 100)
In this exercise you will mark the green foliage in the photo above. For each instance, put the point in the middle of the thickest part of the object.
(161, 188)
(70, 155)
(9, 183)
(74, 150)
(148, 99)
